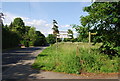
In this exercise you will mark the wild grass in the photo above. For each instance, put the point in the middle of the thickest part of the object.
(76, 58)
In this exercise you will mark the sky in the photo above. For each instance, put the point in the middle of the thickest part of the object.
(41, 14)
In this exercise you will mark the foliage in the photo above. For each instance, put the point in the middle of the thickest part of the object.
(17, 33)
(51, 39)
(40, 39)
(9, 39)
(31, 34)
(70, 32)
(105, 19)
(67, 40)
(66, 58)
(83, 33)
(18, 26)
(55, 27)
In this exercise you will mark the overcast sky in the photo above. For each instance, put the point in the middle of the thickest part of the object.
(41, 14)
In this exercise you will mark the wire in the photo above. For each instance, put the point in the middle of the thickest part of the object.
(30, 16)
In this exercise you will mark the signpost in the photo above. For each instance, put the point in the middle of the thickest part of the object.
(90, 36)
(62, 35)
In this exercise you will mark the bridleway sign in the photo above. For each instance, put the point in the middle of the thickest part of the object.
(63, 34)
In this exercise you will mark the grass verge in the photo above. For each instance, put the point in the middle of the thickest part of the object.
(76, 58)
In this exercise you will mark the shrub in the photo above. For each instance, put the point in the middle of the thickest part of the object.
(9, 39)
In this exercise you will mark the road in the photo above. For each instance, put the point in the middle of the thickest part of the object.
(17, 65)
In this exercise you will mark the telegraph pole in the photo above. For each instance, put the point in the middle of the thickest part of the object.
(1, 22)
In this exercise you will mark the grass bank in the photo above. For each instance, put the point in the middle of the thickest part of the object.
(76, 58)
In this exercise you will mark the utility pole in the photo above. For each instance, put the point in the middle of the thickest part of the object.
(1, 17)
(1, 22)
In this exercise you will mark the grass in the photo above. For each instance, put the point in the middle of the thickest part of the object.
(76, 58)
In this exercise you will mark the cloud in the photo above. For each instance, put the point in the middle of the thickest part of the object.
(41, 25)
(65, 26)
(10, 17)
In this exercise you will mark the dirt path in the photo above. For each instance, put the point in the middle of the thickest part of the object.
(17, 65)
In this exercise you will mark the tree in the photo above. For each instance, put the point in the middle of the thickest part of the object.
(32, 33)
(26, 41)
(1, 17)
(9, 39)
(55, 27)
(105, 19)
(51, 39)
(83, 33)
(70, 32)
(40, 39)
(19, 26)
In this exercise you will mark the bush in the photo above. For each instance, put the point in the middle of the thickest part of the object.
(9, 39)
(40, 39)
(51, 39)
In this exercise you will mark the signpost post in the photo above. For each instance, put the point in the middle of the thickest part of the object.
(90, 36)
(62, 34)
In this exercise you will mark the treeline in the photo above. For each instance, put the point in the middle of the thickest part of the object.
(103, 19)
(17, 34)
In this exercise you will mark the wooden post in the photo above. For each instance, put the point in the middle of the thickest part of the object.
(77, 50)
(89, 40)
(89, 37)
(56, 44)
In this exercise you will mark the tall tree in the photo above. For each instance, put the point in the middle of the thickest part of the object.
(105, 19)
(19, 26)
(55, 27)
(32, 34)
(1, 16)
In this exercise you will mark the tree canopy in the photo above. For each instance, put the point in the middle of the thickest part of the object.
(17, 33)
(104, 18)
(18, 26)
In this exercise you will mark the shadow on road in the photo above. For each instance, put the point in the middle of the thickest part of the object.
(12, 58)
(22, 72)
